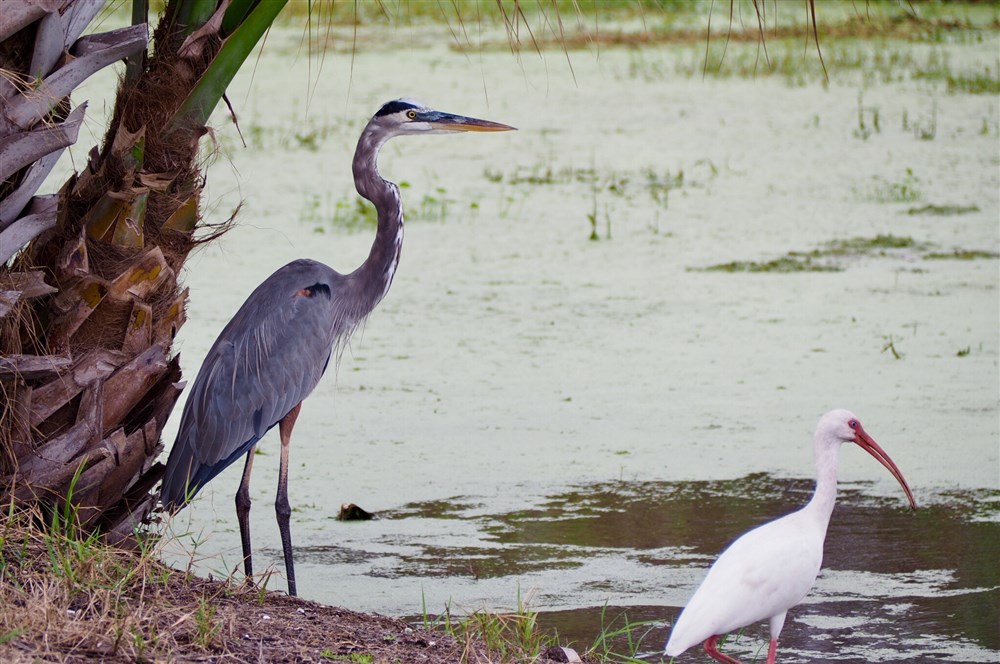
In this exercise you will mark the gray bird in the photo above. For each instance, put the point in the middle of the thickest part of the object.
(276, 348)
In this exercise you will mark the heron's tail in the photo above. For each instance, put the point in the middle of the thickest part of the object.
(179, 479)
(186, 474)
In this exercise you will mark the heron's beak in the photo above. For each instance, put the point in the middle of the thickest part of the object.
(450, 122)
(866, 443)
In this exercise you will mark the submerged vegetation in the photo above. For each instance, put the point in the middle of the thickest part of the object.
(961, 255)
(821, 259)
(353, 213)
(905, 189)
(943, 210)
(788, 263)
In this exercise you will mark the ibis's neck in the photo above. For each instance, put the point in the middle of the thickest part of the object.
(374, 276)
(826, 481)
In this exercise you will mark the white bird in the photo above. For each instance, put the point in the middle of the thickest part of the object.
(771, 568)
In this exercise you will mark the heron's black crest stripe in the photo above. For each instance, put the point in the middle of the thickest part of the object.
(394, 107)
(319, 289)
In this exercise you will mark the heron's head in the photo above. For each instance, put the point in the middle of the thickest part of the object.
(407, 116)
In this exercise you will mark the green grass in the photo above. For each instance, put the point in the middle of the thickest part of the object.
(514, 637)
(621, 640)
(206, 625)
(58, 584)
(866, 59)
(510, 637)
(357, 658)
(422, 11)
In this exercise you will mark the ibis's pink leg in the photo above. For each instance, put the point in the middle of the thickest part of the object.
(713, 651)
(281, 506)
(772, 651)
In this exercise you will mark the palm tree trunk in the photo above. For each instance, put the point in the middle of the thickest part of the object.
(90, 304)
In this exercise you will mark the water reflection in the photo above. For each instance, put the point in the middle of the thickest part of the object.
(897, 585)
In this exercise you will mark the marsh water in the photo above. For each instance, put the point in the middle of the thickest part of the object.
(559, 402)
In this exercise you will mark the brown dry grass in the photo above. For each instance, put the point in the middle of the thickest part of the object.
(66, 599)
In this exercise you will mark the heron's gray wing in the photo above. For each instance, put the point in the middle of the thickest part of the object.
(267, 359)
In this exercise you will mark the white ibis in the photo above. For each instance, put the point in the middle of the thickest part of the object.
(771, 568)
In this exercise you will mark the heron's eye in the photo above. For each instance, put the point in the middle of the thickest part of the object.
(411, 114)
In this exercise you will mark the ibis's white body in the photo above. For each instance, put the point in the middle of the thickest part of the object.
(759, 577)
(771, 568)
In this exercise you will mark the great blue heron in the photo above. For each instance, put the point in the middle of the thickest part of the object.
(275, 349)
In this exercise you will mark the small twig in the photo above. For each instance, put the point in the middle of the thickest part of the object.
(891, 347)
(236, 122)
(812, 11)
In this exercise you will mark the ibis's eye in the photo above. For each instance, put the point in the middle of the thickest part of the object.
(853, 424)
(411, 114)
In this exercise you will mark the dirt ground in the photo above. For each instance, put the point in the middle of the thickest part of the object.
(208, 622)
(287, 629)
(198, 620)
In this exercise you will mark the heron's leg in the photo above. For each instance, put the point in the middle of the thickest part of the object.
(712, 648)
(282, 508)
(243, 513)
(772, 651)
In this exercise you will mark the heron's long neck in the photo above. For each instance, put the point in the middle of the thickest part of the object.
(823, 500)
(375, 275)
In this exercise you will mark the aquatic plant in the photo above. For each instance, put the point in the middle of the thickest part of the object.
(622, 640)
(592, 217)
(943, 210)
(856, 246)
(790, 263)
(817, 260)
(864, 130)
(287, 134)
(659, 185)
(881, 190)
(962, 255)
(983, 82)
(350, 213)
